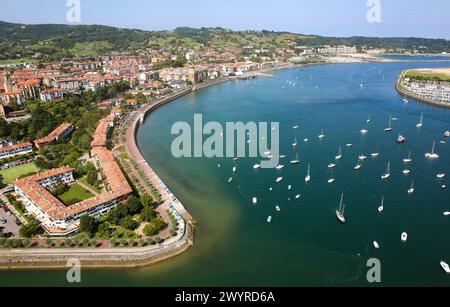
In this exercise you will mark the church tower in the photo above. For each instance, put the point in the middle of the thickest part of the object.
(8, 82)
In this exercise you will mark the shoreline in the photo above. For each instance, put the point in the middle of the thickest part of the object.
(402, 91)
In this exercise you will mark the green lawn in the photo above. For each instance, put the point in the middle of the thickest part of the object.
(75, 192)
(9, 175)
(84, 181)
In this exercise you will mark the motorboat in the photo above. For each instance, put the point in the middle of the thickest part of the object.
(381, 207)
(331, 165)
(339, 155)
(420, 124)
(279, 179)
(390, 125)
(401, 139)
(280, 167)
(411, 189)
(257, 166)
(375, 155)
(404, 237)
(440, 176)
(376, 245)
(445, 267)
(255, 200)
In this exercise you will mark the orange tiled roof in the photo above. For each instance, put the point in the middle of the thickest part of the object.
(54, 134)
(101, 133)
(13, 147)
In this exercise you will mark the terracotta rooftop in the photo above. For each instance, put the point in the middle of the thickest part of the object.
(54, 134)
(13, 147)
(101, 133)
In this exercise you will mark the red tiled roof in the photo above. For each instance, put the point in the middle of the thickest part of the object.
(13, 147)
(53, 135)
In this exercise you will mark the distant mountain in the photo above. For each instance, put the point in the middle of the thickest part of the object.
(52, 42)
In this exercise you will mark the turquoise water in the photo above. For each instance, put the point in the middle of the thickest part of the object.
(304, 244)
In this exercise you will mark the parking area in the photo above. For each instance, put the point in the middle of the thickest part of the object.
(8, 222)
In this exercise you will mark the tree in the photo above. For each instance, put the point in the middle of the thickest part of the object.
(154, 227)
(147, 214)
(30, 230)
(129, 223)
(89, 225)
(134, 205)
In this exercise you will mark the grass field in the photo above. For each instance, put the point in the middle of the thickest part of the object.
(9, 175)
(17, 61)
(431, 74)
(75, 192)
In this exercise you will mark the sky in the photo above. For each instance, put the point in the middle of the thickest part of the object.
(419, 18)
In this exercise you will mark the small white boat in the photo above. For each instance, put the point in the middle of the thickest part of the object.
(278, 208)
(447, 134)
(408, 160)
(381, 207)
(394, 119)
(279, 179)
(331, 165)
(364, 131)
(308, 176)
(404, 237)
(406, 171)
(375, 155)
(388, 172)
(255, 200)
(376, 245)
(230, 180)
(340, 213)
(295, 127)
(432, 154)
(411, 189)
(282, 156)
(331, 180)
(445, 267)
(322, 135)
(235, 159)
(405, 100)
(443, 186)
(339, 155)
(298, 196)
(295, 143)
(218, 166)
(440, 176)
(420, 124)
(269, 219)
(306, 140)
(362, 157)
(234, 169)
(270, 189)
(257, 166)
(390, 125)
(289, 187)
(280, 167)
(369, 119)
(447, 213)
(297, 160)
(443, 142)
(349, 145)
(358, 166)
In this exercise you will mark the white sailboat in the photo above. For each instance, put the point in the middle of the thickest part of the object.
(440, 176)
(339, 155)
(364, 131)
(404, 237)
(257, 166)
(390, 125)
(376, 245)
(297, 160)
(308, 176)
(358, 166)
(411, 189)
(322, 135)
(234, 169)
(255, 200)
(369, 119)
(420, 124)
(406, 171)
(432, 154)
(331, 180)
(375, 155)
(278, 208)
(295, 143)
(362, 157)
(388, 172)
(445, 267)
(279, 179)
(306, 140)
(269, 219)
(280, 167)
(409, 159)
(381, 207)
(331, 165)
(340, 213)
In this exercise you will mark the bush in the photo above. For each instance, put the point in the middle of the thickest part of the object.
(154, 227)
(147, 214)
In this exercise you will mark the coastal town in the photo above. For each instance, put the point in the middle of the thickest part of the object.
(56, 199)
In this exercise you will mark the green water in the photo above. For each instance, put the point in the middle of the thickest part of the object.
(304, 244)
